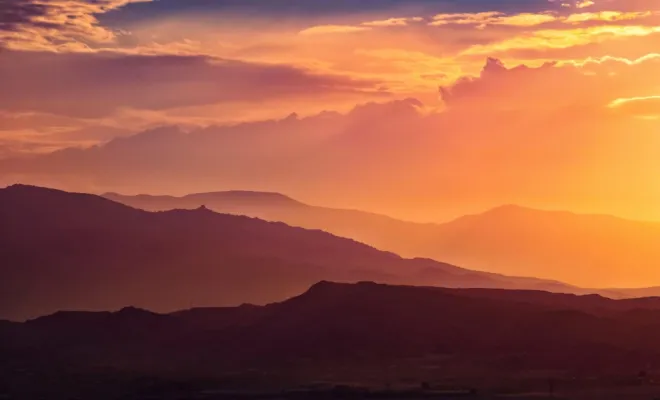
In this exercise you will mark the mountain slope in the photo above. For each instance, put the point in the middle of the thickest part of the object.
(76, 251)
(229, 202)
(585, 250)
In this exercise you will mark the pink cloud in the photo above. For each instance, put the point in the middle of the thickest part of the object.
(96, 84)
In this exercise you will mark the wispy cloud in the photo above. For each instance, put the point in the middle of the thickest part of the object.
(642, 106)
(564, 38)
(484, 19)
(393, 22)
(329, 29)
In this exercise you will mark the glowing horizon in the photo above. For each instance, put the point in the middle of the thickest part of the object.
(422, 110)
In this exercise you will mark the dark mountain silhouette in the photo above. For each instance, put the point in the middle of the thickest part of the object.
(68, 251)
(585, 250)
(350, 331)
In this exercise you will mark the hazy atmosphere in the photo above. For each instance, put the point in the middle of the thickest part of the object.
(422, 110)
(303, 199)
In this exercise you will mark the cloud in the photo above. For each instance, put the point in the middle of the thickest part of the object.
(584, 4)
(317, 9)
(616, 60)
(393, 22)
(495, 18)
(541, 100)
(329, 29)
(647, 106)
(30, 120)
(485, 19)
(96, 84)
(56, 24)
(538, 135)
(563, 38)
(607, 16)
(364, 26)
(496, 81)
(590, 83)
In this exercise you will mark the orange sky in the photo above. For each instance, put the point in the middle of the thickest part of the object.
(553, 104)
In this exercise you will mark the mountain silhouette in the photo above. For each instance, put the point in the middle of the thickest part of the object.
(226, 202)
(350, 331)
(69, 251)
(584, 250)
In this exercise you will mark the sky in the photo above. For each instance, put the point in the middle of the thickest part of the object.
(421, 109)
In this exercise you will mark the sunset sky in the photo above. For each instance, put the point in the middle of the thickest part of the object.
(421, 109)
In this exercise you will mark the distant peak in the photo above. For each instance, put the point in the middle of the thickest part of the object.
(514, 209)
(244, 196)
(324, 287)
(329, 286)
(131, 311)
(323, 284)
(513, 212)
(21, 186)
(509, 208)
(23, 189)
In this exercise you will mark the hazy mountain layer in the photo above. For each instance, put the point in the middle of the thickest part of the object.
(65, 251)
(584, 250)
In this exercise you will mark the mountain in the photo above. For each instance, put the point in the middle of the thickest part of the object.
(584, 250)
(71, 251)
(363, 332)
(229, 202)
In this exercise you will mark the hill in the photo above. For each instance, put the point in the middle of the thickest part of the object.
(349, 332)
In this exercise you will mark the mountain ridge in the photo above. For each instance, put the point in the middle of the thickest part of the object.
(347, 330)
(72, 251)
(586, 250)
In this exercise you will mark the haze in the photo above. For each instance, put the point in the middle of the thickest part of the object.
(303, 199)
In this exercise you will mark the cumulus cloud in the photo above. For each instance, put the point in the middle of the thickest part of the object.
(568, 119)
(592, 83)
(512, 134)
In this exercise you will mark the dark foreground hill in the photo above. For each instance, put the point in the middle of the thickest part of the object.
(68, 251)
(369, 333)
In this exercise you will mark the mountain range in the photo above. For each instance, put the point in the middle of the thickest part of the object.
(583, 250)
(72, 251)
(364, 332)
